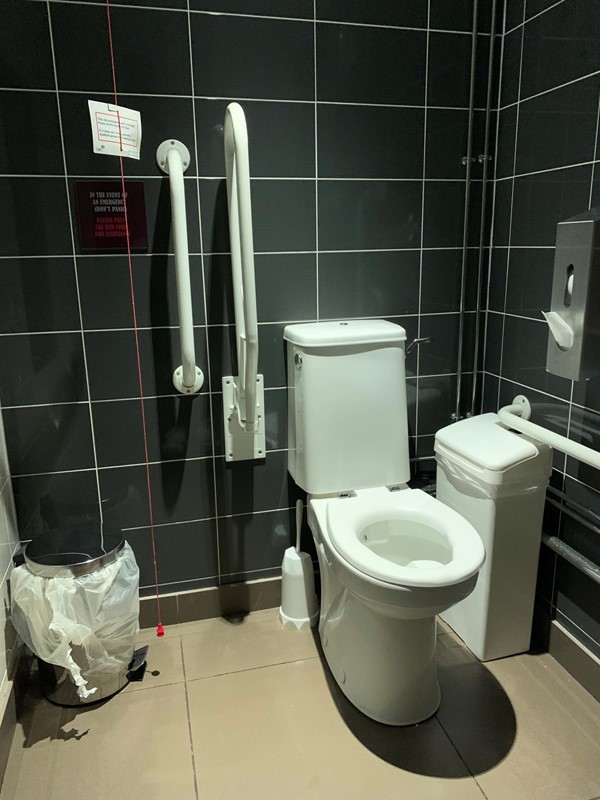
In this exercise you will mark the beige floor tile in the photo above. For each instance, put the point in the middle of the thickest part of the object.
(135, 745)
(165, 664)
(526, 730)
(218, 646)
(292, 734)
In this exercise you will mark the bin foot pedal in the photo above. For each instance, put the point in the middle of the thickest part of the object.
(137, 665)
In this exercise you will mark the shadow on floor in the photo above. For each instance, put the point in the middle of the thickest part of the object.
(475, 721)
(44, 721)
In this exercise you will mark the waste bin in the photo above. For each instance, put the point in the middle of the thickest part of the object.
(75, 604)
(496, 479)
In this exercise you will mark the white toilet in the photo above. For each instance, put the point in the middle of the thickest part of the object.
(390, 557)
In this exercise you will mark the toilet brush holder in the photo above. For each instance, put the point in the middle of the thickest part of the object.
(299, 607)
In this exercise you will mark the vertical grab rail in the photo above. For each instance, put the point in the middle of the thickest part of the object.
(173, 158)
(243, 397)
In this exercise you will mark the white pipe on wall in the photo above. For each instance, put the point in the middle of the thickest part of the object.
(516, 416)
(237, 165)
(173, 157)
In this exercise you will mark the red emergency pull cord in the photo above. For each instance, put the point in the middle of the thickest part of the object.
(160, 631)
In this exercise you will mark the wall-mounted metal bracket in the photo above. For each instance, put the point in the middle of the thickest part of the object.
(242, 444)
(467, 160)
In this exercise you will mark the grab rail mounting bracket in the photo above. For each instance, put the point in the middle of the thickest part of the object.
(240, 443)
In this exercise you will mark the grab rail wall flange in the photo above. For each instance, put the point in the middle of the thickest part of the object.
(173, 158)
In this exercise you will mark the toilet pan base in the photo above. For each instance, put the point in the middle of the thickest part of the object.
(385, 666)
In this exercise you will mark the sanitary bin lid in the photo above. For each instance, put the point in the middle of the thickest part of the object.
(485, 442)
(81, 548)
(360, 331)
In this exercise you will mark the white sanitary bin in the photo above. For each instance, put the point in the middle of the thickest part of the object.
(496, 478)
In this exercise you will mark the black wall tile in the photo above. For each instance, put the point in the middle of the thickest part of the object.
(112, 361)
(449, 69)
(505, 152)
(254, 541)
(54, 501)
(25, 22)
(197, 540)
(443, 225)
(354, 64)
(297, 272)
(529, 287)
(384, 12)
(446, 143)
(369, 215)
(568, 118)
(542, 200)
(250, 57)
(497, 282)
(374, 284)
(503, 191)
(251, 486)
(441, 274)
(44, 368)
(493, 348)
(437, 400)
(49, 438)
(440, 355)
(511, 67)
(283, 215)
(140, 62)
(35, 218)
(281, 138)
(105, 293)
(278, 8)
(42, 292)
(181, 491)
(559, 46)
(30, 142)
(362, 142)
(524, 357)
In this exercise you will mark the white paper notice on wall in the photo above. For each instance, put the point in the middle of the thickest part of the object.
(116, 130)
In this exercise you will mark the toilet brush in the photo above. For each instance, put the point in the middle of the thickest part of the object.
(299, 608)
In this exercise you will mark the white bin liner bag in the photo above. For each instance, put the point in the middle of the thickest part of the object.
(97, 614)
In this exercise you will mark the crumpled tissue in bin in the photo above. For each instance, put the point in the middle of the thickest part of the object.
(97, 612)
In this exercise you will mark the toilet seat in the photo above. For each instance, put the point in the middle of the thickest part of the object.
(404, 538)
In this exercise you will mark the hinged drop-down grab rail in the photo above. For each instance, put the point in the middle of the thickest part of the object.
(243, 395)
(173, 157)
(517, 415)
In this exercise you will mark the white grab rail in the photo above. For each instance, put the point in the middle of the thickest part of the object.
(517, 416)
(173, 158)
(237, 165)
(242, 395)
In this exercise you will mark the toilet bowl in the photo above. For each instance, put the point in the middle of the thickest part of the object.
(389, 562)
(390, 558)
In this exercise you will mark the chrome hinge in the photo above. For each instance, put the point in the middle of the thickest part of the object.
(344, 495)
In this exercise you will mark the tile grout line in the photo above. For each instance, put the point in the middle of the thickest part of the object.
(522, 100)
(512, 196)
(206, 314)
(187, 708)
(457, 751)
(74, 257)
